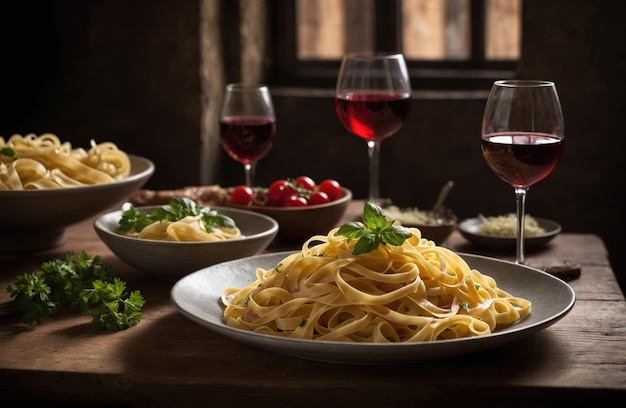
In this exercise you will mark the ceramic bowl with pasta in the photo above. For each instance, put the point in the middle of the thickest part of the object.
(170, 259)
(47, 185)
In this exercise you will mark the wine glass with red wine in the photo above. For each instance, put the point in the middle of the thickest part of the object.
(247, 125)
(372, 101)
(522, 138)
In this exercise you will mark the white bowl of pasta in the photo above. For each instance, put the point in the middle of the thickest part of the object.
(36, 211)
(157, 254)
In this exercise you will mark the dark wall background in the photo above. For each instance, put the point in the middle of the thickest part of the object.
(127, 72)
(122, 71)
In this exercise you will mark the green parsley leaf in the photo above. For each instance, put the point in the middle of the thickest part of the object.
(66, 282)
(112, 309)
(133, 219)
(176, 210)
(376, 229)
(31, 294)
(214, 219)
(9, 152)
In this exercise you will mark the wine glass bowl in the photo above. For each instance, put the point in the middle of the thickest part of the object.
(522, 138)
(522, 160)
(247, 125)
(372, 101)
(373, 116)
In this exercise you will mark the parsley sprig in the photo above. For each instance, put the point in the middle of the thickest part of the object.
(376, 229)
(177, 209)
(79, 281)
(117, 310)
(9, 152)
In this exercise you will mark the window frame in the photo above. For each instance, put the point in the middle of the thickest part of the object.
(475, 73)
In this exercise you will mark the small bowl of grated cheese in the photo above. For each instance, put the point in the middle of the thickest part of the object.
(506, 226)
(433, 226)
(499, 231)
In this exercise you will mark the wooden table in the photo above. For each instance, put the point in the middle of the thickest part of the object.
(167, 360)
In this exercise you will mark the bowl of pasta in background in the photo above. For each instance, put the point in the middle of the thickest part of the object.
(35, 220)
(300, 223)
(171, 260)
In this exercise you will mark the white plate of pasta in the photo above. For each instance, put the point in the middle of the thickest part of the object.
(201, 296)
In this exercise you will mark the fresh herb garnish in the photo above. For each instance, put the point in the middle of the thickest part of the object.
(176, 210)
(116, 310)
(376, 229)
(9, 152)
(75, 281)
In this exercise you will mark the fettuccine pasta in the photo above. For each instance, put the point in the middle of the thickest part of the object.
(182, 220)
(43, 162)
(188, 229)
(413, 292)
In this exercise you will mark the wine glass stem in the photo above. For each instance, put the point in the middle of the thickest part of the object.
(249, 170)
(373, 150)
(520, 198)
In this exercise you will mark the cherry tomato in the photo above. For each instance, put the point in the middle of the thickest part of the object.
(278, 192)
(295, 201)
(318, 197)
(260, 198)
(241, 195)
(305, 182)
(332, 188)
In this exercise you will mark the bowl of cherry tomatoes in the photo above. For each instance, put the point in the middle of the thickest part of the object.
(301, 207)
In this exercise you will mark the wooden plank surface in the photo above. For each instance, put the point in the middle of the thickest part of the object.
(168, 359)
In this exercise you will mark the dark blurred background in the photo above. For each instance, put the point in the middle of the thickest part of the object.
(128, 72)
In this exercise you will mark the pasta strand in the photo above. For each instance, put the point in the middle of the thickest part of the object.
(413, 292)
(44, 162)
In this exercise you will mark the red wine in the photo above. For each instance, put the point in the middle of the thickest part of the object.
(247, 139)
(522, 159)
(372, 116)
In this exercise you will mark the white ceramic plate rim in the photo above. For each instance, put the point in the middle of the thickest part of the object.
(198, 297)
